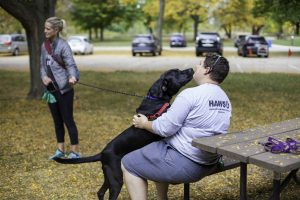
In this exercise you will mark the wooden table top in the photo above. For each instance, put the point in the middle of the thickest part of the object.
(244, 146)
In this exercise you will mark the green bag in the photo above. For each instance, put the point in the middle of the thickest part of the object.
(49, 97)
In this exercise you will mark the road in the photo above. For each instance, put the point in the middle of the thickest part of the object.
(110, 62)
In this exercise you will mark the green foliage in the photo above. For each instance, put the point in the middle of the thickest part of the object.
(8, 24)
(27, 134)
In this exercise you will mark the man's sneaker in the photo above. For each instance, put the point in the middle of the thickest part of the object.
(72, 155)
(58, 154)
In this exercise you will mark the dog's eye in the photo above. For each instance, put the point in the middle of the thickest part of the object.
(164, 85)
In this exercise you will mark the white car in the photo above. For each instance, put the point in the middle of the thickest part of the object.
(80, 45)
(13, 44)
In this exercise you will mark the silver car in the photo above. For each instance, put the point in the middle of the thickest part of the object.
(80, 45)
(13, 44)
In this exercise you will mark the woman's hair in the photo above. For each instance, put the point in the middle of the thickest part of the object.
(218, 67)
(57, 23)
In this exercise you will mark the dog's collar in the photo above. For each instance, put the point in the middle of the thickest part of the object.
(158, 113)
(151, 97)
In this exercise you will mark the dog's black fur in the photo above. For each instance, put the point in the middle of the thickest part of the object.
(161, 92)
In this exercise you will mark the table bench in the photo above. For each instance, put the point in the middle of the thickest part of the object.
(244, 148)
(226, 165)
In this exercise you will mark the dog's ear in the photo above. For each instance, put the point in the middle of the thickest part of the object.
(164, 86)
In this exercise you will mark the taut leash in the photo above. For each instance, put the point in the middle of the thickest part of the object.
(109, 90)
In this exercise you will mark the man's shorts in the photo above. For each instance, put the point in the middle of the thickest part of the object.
(160, 162)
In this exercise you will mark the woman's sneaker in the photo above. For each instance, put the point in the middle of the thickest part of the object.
(72, 155)
(58, 154)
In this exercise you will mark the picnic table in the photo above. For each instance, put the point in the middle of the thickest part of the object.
(245, 147)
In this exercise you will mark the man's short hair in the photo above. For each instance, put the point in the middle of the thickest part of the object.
(219, 67)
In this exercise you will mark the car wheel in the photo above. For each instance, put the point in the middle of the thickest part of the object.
(239, 53)
(16, 52)
(153, 53)
(133, 54)
(198, 53)
(244, 53)
(159, 53)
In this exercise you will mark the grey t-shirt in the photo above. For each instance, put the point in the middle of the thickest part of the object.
(197, 112)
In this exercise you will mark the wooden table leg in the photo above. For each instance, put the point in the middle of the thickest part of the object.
(186, 191)
(243, 181)
(276, 186)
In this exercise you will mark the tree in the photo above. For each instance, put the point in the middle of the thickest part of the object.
(160, 20)
(8, 24)
(96, 14)
(227, 12)
(175, 16)
(32, 15)
(199, 11)
(280, 11)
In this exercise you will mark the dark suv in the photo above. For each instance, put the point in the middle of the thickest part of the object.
(146, 43)
(13, 43)
(238, 40)
(209, 42)
(253, 45)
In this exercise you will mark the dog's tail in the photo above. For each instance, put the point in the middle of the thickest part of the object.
(88, 159)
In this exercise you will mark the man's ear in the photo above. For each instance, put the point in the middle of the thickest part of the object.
(164, 86)
(207, 70)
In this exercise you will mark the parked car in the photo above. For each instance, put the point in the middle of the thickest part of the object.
(13, 43)
(253, 45)
(80, 45)
(146, 43)
(238, 40)
(177, 40)
(209, 42)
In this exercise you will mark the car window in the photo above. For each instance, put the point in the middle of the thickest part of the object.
(19, 38)
(86, 40)
(143, 39)
(207, 36)
(74, 40)
(257, 40)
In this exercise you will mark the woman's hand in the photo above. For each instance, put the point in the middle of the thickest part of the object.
(139, 121)
(72, 80)
(46, 80)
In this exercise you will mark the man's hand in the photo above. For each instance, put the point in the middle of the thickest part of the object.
(46, 80)
(139, 121)
(72, 80)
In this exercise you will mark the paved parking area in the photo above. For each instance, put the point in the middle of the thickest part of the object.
(110, 62)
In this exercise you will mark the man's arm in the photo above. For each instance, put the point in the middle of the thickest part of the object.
(141, 121)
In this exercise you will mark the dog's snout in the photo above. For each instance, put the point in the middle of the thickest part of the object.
(191, 70)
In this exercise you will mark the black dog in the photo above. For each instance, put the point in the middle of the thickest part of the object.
(153, 105)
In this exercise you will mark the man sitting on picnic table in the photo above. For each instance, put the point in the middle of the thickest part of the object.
(196, 112)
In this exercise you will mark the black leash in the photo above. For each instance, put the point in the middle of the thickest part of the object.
(109, 90)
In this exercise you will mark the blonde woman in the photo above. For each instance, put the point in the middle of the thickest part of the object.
(59, 73)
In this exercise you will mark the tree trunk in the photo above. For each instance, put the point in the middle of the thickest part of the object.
(196, 22)
(227, 30)
(160, 21)
(256, 29)
(101, 34)
(90, 34)
(297, 27)
(32, 15)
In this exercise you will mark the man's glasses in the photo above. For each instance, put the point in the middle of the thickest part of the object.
(215, 63)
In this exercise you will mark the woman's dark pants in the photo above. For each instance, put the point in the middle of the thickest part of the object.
(62, 113)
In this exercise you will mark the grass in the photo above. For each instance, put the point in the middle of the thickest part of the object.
(27, 134)
(288, 41)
